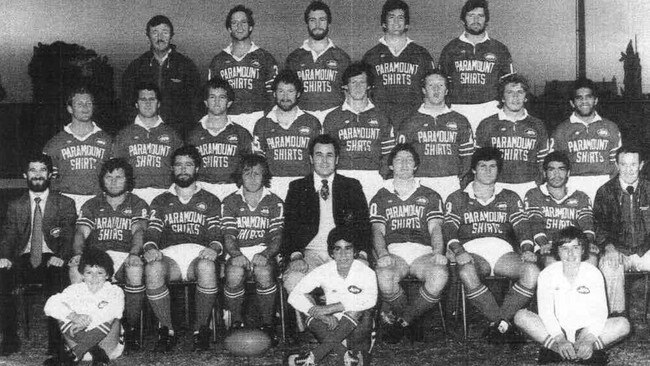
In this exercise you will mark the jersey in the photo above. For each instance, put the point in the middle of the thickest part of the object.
(445, 142)
(503, 217)
(524, 144)
(406, 219)
(251, 76)
(474, 69)
(366, 138)
(173, 222)
(286, 150)
(110, 229)
(221, 152)
(320, 74)
(149, 152)
(591, 147)
(77, 160)
(253, 226)
(548, 216)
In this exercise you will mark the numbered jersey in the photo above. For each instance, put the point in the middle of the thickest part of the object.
(253, 226)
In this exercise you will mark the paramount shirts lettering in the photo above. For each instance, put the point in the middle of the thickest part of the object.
(240, 77)
(317, 80)
(405, 216)
(437, 142)
(288, 147)
(588, 150)
(252, 227)
(149, 154)
(188, 222)
(396, 73)
(486, 222)
(216, 154)
(473, 71)
(559, 217)
(112, 228)
(514, 147)
(359, 138)
(83, 156)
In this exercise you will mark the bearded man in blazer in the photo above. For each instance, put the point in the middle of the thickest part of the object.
(315, 205)
(29, 255)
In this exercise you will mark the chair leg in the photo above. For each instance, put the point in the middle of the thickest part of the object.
(187, 306)
(645, 297)
(442, 318)
(283, 324)
(141, 336)
(464, 310)
(213, 324)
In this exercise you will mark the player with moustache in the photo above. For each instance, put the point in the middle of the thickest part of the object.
(220, 141)
(249, 70)
(364, 132)
(148, 144)
(406, 219)
(398, 64)
(319, 63)
(114, 222)
(182, 243)
(442, 138)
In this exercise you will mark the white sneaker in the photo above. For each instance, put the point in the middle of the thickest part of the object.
(351, 358)
(301, 359)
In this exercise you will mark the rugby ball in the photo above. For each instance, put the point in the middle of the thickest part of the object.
(247, 342)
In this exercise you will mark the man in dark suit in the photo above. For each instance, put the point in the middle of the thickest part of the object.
(315, 205)
(32, 255)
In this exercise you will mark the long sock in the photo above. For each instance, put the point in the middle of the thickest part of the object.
(396, 302)
(266, 303)
(484, 301)
(334, 338)
(235, 302)
(205, 298)
(85, 339)
(420, 304)
(517, 298)
(134, 300)
(160, 303)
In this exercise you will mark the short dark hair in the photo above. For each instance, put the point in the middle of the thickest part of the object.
(558, 156)
(218, 83)
(82, 89)
(38, 158)
(404, 147)
(248, 161)
(567, 235)
(243, 9)
(391, 5)
(287, 77)
(486, 154)
(511, 79)
(188, 150)
(158, 20)
(146, 85)
(96, 258)
(630, 149)
(325, 139)
(438, 72)
(112, 165)
(356, 69)
(584, 83)
(318, 5)
(342, 233)
(473, 4)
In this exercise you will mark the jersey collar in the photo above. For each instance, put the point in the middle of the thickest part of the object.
(464, 38)
(389, 184)
(240, 191)
(172, 189)
(228, 50)
(139, 122)
(432, 114)
(575, 119)
(346, 107)
(504, 117)
(273, 117)
(569, 192)
(204, 122)
(470, 191)
(382, 40)
(95, 129)
(305, 46)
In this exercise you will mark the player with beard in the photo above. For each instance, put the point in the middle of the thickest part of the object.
(398, 65)
(475, 62)
(182, 243)
(114, 221)
(36, 242)
(319, 64)
(555, 205)
(249, 69)
(589, 140)
(284, 134)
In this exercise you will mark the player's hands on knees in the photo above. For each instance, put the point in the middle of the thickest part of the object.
(74, 261)
(463, 258)
(55, 262)
(298, 265)
(133, 260)
(152, 255)
(240, 261)
(260, 260)
(386, 260)
(439, 259)
(331, 321)
(566, 350)
(584, 350)
(612, 257)
(545, 249)
(208, 254)
(5, 263)
(529, 257)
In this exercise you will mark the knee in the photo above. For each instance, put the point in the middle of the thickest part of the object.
(467, 273)
(155, 273)
(264, 275)
(521, 317)
(291, 279)
(234, 276)
(621, 325)
(529, 274)
(386, 277)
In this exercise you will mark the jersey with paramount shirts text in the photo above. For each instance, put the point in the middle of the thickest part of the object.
(524, 145)
(252, 225)
(250, 76)
(110, 229)
(149, 153)
(398, 78)
(321, 77)
(503, 216)
(406, 220)
(474, 69)
(174, 222)
(220, 154)
(77, 162)
(366, 138)
(286, 150)
(591, 147)
(548, 216)
(445, 143)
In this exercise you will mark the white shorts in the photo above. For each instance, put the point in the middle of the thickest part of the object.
(118, 260)
(280, 186)
(409, 251)
(371, 181)
(444, 186)
(148, 194)
(247, 120)
(183, 255)
(79, 200)
(475, 113)
(321, 114)
(490, 249)
(588, 184)
(520, 188)
(221, 190)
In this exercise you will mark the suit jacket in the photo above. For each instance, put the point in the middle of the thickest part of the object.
(58, 226)
(302, 212)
